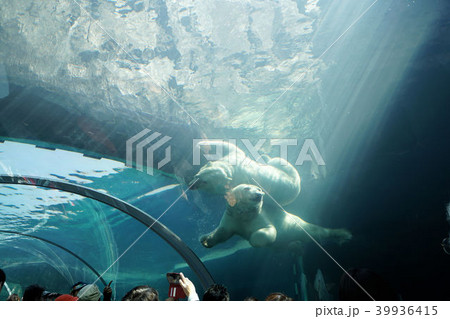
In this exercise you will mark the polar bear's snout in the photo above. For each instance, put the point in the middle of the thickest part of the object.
(251, 192)
(195, 183)
(212, 178)
(258, 197)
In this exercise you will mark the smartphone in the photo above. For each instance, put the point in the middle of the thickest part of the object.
(173, 278)
(175, 290)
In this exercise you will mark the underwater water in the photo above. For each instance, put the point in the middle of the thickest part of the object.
(366, 81)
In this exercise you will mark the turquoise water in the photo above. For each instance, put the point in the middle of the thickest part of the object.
(365, 80)
(94, 231)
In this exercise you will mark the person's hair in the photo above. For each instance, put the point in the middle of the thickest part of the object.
(216, 293)
(278, 296)
(141, 293)
(13, 297)
(33, 293)
(2, 277)
(75, 289)
(373, 284)
(251, 298)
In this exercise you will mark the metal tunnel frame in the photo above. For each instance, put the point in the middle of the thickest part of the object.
(160, 229)
(59, 246)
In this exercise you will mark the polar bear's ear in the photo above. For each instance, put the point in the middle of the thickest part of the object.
(231, 199)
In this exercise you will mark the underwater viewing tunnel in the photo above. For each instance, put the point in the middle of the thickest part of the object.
(102, 112)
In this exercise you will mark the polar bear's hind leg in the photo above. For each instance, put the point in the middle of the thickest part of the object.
(263, 237)
(293, 186)
(340, 236)
(286, 167)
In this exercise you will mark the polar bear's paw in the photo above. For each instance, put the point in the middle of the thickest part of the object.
(204, 240)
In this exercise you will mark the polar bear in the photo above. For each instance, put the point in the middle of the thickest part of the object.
(278, 177)
(262, 226)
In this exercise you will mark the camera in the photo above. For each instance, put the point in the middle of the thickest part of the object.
(175, 289)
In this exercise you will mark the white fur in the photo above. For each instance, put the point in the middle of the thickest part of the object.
(265, 226)
(278, 177)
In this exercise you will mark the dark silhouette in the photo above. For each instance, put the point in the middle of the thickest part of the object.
(216, 293)
(375, 285)
(278, 296)
(2, 279)
(141, 293)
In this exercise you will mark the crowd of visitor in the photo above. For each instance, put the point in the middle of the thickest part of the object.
(375, 288)
(90, 292)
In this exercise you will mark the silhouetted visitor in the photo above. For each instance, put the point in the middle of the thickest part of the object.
(2, 279)
(141, 293)
(278, 296)
(13, 297)
(251, 298)
(75, 289)
(107, 292)
(33, 293)
(216, 293)
(38, 293)
(89, 293)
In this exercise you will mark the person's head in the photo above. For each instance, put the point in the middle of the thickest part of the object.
(33, 293)
(251, 298)
(141, 293)
(2, 279)
(89, 293)
(13, 297)
(372, 283)
(75, 289)
(216, 293)
(278, 296)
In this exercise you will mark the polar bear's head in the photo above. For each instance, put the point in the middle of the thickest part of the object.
(214, 177)
(244, 201)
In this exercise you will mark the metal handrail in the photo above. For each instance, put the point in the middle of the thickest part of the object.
(59, 246)
(160, 229)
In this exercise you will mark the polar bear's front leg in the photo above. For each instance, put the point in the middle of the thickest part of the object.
(263, 237)
(218, 236)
